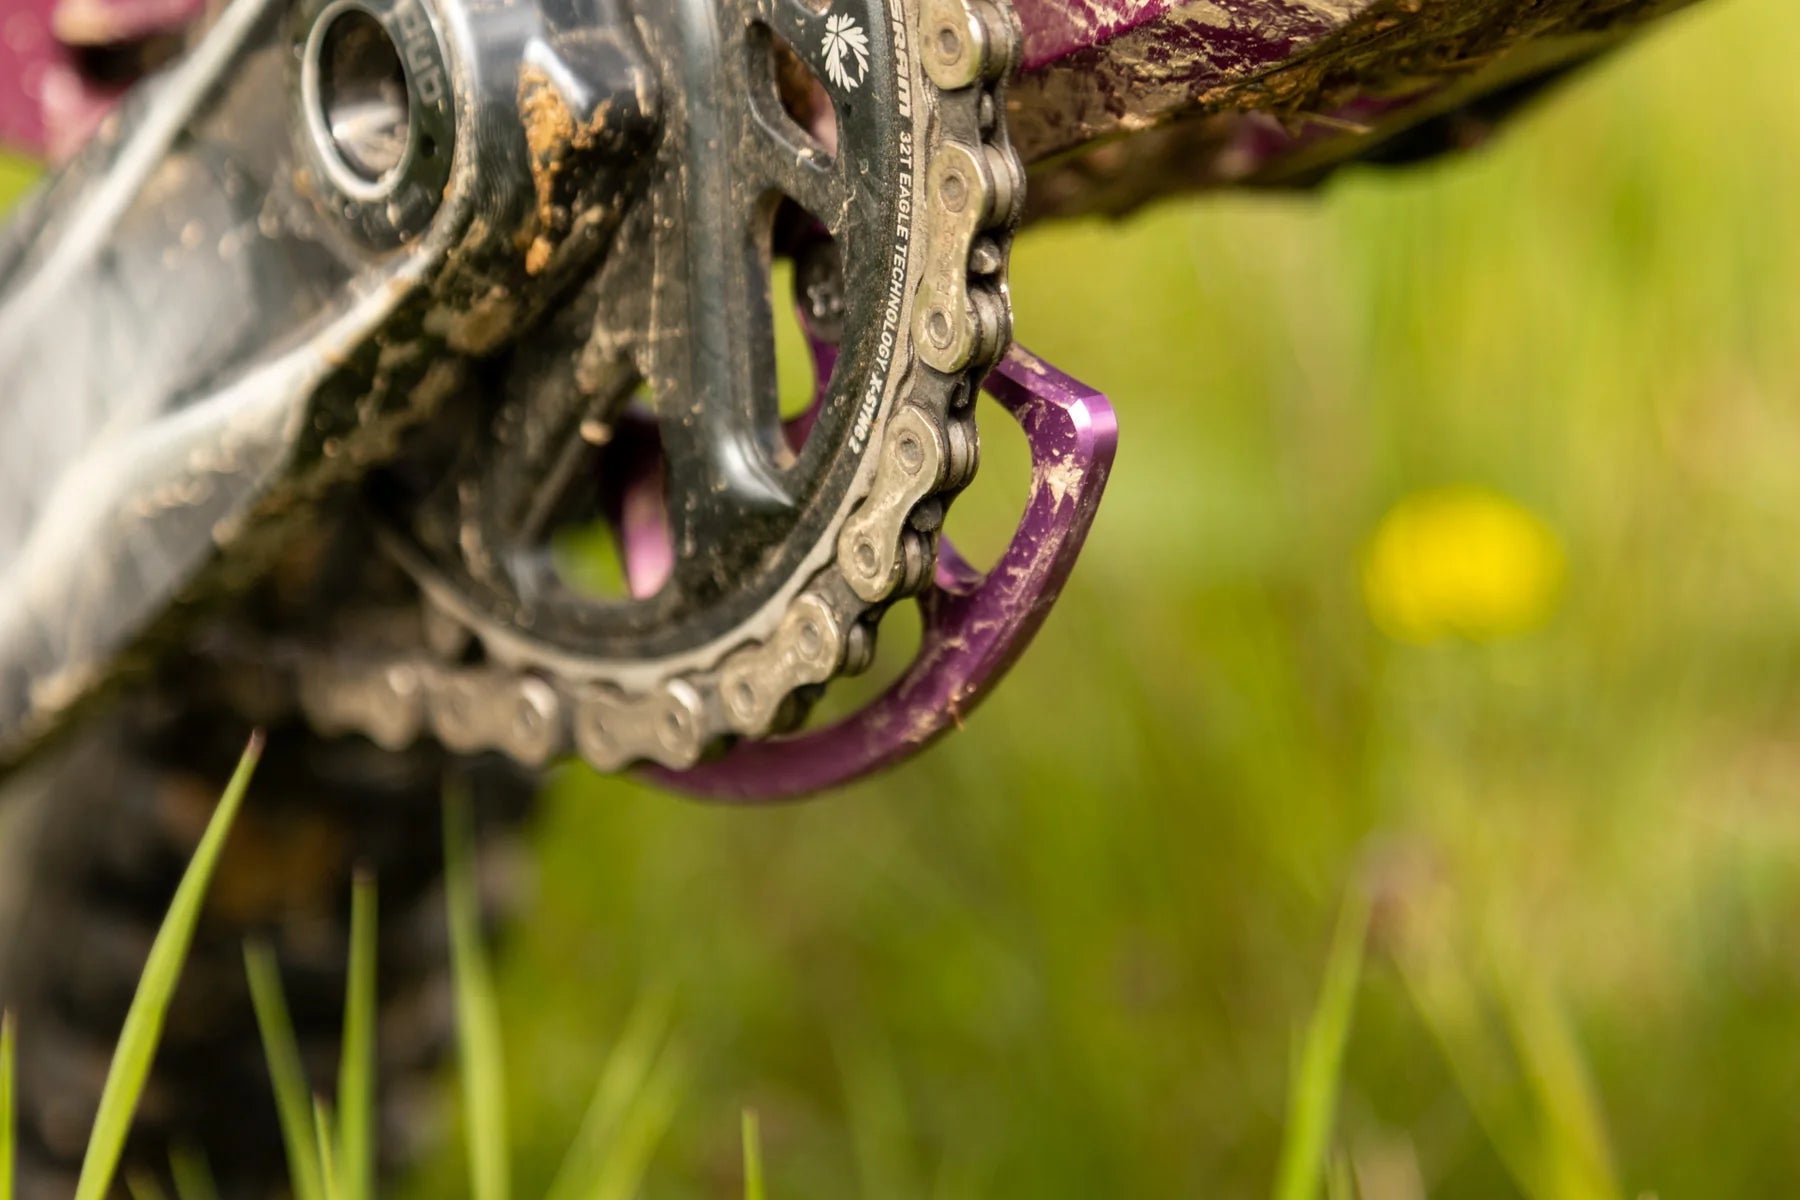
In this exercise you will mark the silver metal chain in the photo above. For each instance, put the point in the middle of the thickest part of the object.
(535, 705)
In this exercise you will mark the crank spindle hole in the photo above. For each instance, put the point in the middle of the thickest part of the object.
(363, 97)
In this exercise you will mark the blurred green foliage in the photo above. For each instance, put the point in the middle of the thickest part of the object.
(1072, 952)
(1079, 950)
(16, 174)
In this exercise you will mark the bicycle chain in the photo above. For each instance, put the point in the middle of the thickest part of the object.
(537, 706)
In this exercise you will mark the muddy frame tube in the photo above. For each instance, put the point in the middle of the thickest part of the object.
(1218, 93)
(1214, 93)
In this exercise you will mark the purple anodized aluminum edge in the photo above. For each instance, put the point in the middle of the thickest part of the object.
(975, 626)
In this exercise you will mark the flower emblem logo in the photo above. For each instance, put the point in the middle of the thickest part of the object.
(846, 51)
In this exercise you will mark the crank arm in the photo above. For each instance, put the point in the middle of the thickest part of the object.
(268, 266)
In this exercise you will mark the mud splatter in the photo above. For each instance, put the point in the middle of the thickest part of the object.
(1062, 478)
(479, 329)
(555, 139)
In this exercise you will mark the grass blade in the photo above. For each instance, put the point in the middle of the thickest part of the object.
(1455, 1008)
(621, 1084)
(621, 1177)
(327, 1162)
(9, 1067)
(876, 1112)
(1340, 1183)
(477, 1012)
(138, 1040)
(286, 1075)
(193, 1175)
(753, 1159)
(1312, 1099)
(356, 1071)
(1571, 1124)
(144, 1187)
(16, 177)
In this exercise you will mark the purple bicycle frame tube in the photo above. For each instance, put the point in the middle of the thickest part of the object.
(1271, 79)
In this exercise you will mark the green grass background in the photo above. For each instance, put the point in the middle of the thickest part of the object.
(1075, 951)
(1069, 953)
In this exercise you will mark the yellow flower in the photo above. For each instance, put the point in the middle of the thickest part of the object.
(1464, 562)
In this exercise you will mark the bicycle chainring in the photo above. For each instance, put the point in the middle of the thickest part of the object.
(863, 139)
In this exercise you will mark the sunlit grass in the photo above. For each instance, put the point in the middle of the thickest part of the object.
(1319, 1063)
(1066, 953)
(327, 1159)
(9, 1132)
(1516, 1062)
(754, 1187)
(287, 1075)
(334, 1157)
(129, 1070)
(138, 1040)
(140, 1186)
(478, 1029)
(16, 175)
(355, 1136)
(628, 1114)
(192, 1176)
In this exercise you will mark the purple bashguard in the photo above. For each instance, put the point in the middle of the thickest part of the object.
(975, 626)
